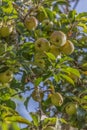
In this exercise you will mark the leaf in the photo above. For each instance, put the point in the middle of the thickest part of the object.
(17, 118)
(35, 118)
(38, 81)
(73, 71)
(51, 56)
(49, 121)
(63, 120)
(68, 79)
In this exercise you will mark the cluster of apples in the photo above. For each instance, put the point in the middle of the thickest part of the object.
(5, 29)
(57, 44)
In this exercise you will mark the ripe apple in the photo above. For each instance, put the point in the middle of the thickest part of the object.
(42, 44)
(58, 38)
(49, 128)
(56, 99)
(40, 63)
(71, 108)
(6, 77)
(5, 31)
(68, 48)
(30, 22)
(39, 55)
(54, 50)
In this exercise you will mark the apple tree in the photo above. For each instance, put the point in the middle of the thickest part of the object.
(44, 42)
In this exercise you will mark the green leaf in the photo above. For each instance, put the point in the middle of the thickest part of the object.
(51, 56)
(67, 78)
(17, 118)
(35, 118)
(49, 121)
(73, 71)
(38, 81)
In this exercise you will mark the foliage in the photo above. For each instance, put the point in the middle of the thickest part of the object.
(49, 74)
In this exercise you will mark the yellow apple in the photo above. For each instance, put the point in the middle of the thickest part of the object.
(6, 77)
(71, 108)
(58, 38)
(40, 63)
(54, 50)
(68, 48)
(5, 31)
(42, 44)
(30, 22)
(39, 55)
(56, 99)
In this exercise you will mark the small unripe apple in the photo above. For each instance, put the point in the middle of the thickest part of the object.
(40, 63)
(31, 22)
(56, 99)
(54, 50)
(6, 77)
(37, 96)
(71, 108)
(40, 16)
(42, 44)
(49, 128)
(58, 38)
(68, 48)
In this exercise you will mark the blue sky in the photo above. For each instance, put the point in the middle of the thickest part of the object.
(82, 6)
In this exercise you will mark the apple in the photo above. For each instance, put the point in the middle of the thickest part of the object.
(37, 95)
(56, 99)
(68, 48)
(39, 55)
(40, 63)
(49, 128)
(30, 22)
(42, 44)
(58, 38)
(54, 50)
(5, 31)
(40, 16)
(71, 108)
(6, 77)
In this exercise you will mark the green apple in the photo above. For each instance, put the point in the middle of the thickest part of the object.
(40, 16)
(71, 108)
(58, 38)
(54, 50)
(30, 22)
(40, 63)
(6, 77)
(56, 99)
(68, 48)
(42, 44)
